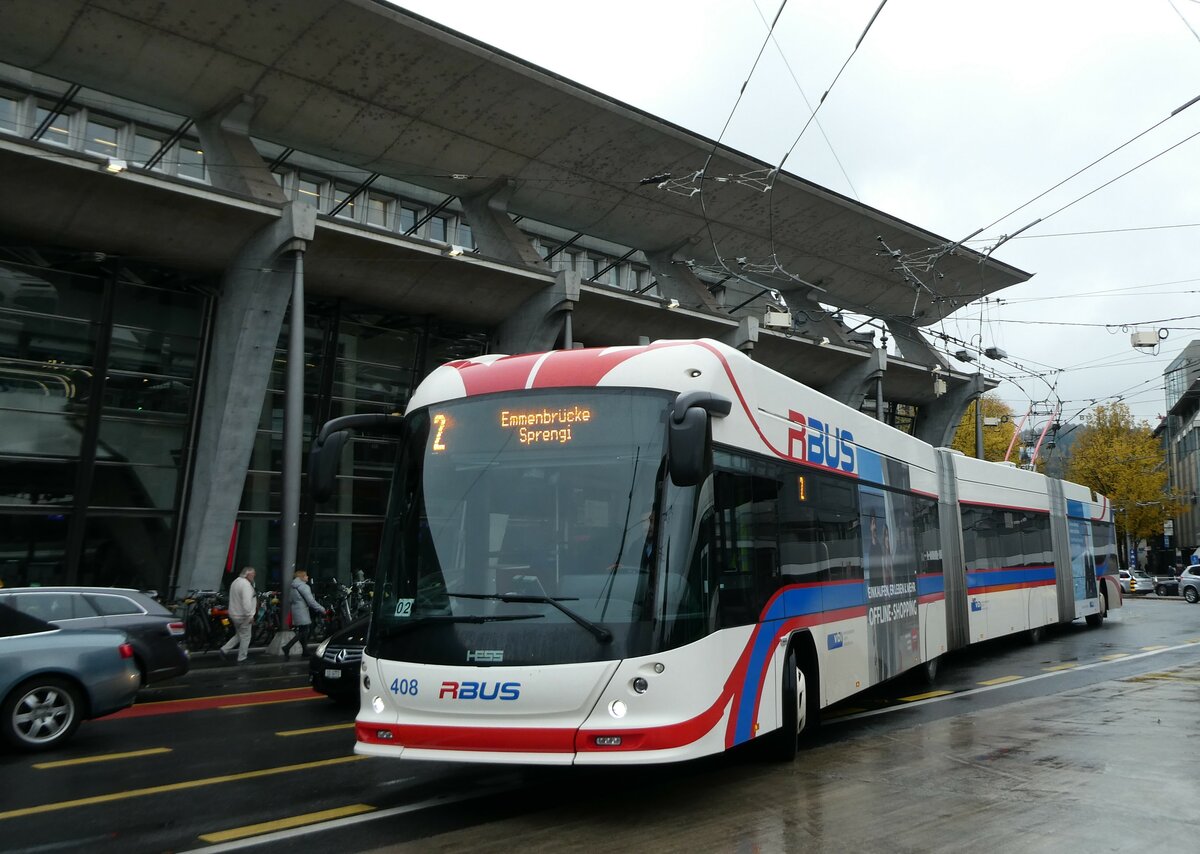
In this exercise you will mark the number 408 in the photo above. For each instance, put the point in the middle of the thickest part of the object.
(407, 687)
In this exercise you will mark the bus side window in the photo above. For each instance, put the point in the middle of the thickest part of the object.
(748, 545)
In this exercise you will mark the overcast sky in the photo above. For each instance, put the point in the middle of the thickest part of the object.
(949, 115)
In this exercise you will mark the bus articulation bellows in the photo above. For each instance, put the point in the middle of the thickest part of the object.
(654, 553)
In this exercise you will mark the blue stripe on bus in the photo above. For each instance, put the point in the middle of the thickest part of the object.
(870, 465)
(927, 585)
(790, 602)
(997, 577)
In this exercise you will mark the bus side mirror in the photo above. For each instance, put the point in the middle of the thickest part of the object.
(323, 462)
(689, 439)
(327, 447)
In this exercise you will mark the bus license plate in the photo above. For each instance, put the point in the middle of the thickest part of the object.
(333, 674)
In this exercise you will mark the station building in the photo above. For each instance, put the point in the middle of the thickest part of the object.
(184, 181)
(1180, 435)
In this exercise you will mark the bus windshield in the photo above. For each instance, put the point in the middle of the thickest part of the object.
(527, 517)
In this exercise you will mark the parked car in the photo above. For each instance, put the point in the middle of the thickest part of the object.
(333, 667)
(1140, 583)
(52, 678)
(154, 632)
(1123, 578)
(1189, 584)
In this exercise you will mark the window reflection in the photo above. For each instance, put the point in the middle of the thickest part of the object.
(33, 549)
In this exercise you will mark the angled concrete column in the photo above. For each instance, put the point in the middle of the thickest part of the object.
(494, 231)
(914, 347)
(255, 292)
(744, 337)
(937, 421)
(676, 281)
(231, 159)
(538, 322)
(856, 383)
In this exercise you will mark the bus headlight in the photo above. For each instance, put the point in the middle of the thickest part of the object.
(640, 685)
(377, 705)
(617, 708)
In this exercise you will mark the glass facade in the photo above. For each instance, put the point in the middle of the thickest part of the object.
(97, 391)
(357, 360)
(99, 382)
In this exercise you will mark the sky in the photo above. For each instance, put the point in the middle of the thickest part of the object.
(949, 115)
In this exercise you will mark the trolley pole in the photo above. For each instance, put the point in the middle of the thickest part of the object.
(293, 430)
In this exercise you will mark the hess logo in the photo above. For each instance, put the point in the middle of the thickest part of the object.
(820, 444)
(480, 690)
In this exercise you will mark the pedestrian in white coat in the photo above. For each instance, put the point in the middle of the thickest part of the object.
(243, 605)
(303, 604)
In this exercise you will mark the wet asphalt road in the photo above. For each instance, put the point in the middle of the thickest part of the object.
(1087, 739)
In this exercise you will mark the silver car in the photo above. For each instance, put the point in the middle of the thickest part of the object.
(1140, 583)
(51, 679)
(1189, 584)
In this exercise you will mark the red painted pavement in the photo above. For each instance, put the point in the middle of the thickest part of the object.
(170, 707)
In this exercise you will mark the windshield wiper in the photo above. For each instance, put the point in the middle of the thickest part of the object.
(462, 618)
(602, 634)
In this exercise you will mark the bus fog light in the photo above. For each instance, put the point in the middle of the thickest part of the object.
(617, 709)
(640, 685)
(659, 667)
(608, 741)
(377, 705)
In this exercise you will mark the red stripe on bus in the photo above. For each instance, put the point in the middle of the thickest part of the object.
(997, 588)
(490, 739)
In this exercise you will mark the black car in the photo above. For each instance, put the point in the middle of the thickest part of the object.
(334, 665)
(155, 634)
(1166, 584)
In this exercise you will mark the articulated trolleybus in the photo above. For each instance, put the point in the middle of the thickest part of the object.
(654, 553)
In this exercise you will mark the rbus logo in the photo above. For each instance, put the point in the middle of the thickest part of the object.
(480, 691)
(820, 444)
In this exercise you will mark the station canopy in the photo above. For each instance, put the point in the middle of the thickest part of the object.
(372, 86)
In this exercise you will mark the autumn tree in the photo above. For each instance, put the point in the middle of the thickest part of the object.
(1124, 461)
(995, 439)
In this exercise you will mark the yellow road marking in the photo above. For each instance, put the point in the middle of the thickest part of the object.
(924, 696)
(173, 787)
(1114, 656)
(1066, 665)
(273, 702)
(313, 729)
(83, 760)
(1000, 680)
(1152, 648)
(285, 823)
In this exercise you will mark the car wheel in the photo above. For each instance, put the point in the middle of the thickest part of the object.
(1160, 590)
(41, 713)
(1190, 594)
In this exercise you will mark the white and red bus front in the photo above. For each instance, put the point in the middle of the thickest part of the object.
(538, 597)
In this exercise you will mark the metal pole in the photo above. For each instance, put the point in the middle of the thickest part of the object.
(568, 332)
(293, 429)
(879, 398)
(979, 427)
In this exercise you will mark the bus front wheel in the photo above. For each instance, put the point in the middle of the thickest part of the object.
(800, 705)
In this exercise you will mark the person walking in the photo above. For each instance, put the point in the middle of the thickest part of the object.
(243, 605)
(303, 604)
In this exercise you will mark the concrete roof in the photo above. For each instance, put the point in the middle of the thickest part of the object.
(369, 85)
